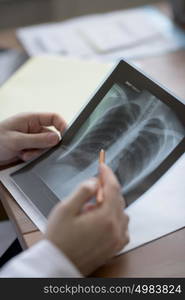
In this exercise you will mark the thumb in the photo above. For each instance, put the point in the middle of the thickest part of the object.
(36, 141)
(84, 193)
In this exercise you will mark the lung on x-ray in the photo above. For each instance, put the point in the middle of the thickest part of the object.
(137, 131)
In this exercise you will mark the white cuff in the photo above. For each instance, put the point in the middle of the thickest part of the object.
(42, 260)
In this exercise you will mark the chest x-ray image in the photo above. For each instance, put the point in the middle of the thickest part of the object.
(137, 131)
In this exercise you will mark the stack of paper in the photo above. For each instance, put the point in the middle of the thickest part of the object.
(112, 32)
(51, 84)
(126, 34)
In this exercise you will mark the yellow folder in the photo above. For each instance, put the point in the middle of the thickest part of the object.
(52, 84)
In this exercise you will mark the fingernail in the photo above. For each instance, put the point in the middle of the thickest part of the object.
(26, 157)
(53, 138)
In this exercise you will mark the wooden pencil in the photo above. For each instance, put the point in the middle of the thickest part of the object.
(99, 197)
(102, 156)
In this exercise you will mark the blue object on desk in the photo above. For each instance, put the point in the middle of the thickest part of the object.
(10, 61)
(3, 50)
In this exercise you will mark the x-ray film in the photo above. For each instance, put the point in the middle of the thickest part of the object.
(142, 137)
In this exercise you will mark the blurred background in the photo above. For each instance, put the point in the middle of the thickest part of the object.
(23, 12)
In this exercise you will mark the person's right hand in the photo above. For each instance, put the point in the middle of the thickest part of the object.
(89, 238)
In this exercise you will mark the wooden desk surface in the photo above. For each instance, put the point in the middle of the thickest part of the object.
(164, 257)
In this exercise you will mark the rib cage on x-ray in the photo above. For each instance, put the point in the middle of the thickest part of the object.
(137, 134)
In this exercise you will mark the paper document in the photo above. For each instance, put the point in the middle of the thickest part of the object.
(129, 34)
(118, 31)
(51, 84)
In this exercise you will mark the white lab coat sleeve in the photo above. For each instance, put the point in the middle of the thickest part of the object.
(43, 260)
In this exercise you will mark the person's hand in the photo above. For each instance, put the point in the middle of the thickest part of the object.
(89, 237)
(25, 136)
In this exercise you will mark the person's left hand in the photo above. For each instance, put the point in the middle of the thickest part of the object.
(27, 135)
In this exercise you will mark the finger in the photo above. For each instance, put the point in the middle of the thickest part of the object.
(52, 119)
(89, 207)
(83, 194)
(44, 130)
(25, 141)
(48, 130)
(111, 186)
(33, 122)
(27, 155)
(107, 175)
